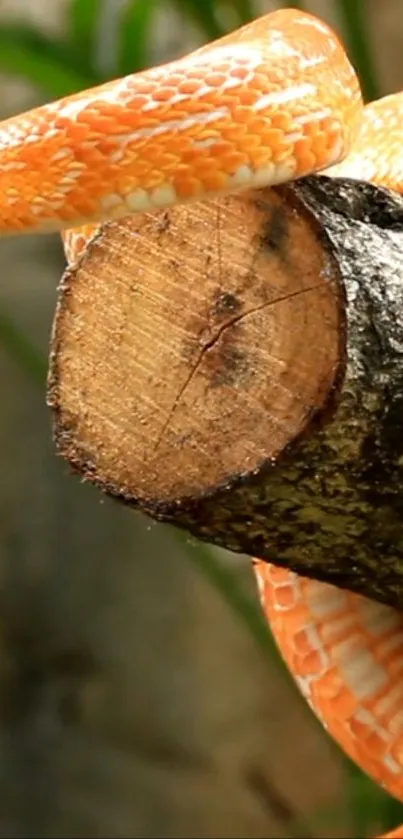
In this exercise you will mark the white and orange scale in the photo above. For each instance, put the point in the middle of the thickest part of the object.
(274, 101)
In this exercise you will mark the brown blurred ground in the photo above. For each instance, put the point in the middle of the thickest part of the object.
(132, 701)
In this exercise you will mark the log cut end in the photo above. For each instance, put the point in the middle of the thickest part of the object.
(190, 348)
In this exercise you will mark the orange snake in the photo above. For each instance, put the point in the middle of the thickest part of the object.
(275, 100)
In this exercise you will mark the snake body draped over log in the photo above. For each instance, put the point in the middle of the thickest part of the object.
(271, 102)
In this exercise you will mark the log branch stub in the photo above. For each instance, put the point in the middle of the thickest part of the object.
(235, 368)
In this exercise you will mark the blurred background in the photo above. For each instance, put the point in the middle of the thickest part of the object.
(140, 690)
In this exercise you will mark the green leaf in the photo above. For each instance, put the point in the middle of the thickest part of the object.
(297, 4)
(135, 33)
(83, 20)
(247, 608)
(369, 805)
(353, 18)
(28, 53)
(203, 14)
(245, 10)
(22, 350)
(391, 813)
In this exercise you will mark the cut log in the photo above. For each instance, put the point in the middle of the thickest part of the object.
(235, 368)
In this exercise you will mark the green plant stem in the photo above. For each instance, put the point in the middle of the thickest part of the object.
(353, 19)
(203, 13)
(245, 607)
(245, 9)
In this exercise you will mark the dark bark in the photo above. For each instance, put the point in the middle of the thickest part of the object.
(319, 487)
